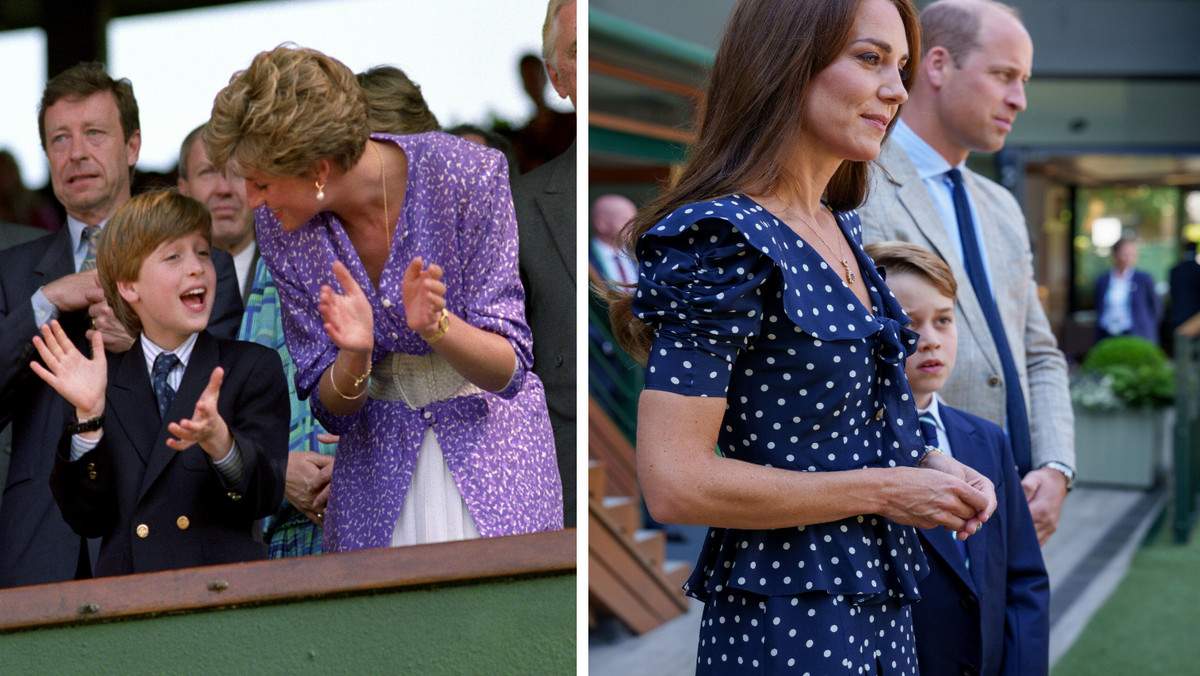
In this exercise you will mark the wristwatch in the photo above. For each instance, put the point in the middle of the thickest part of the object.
(1066, 471)
(443, 325)
(81, 426)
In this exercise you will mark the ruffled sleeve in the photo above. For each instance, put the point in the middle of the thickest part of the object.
(700, 288)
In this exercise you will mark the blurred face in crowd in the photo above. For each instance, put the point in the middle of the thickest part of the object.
(1126, 255)
(89, 156)
(225, 197)
(610, 213)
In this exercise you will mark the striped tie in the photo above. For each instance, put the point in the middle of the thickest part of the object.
(89, 235)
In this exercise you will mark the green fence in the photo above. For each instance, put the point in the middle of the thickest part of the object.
(614, 379)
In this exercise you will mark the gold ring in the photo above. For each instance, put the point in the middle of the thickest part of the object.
(321, 515)
(93, 322)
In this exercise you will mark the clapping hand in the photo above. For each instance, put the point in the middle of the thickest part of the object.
(348, 318)
(81, 381)
(424, 297)
(206, 426)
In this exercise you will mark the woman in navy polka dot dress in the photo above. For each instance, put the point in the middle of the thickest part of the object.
(769, 334)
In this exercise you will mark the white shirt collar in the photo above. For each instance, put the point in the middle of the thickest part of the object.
(932, 411)
(928, 162)
(184, 352)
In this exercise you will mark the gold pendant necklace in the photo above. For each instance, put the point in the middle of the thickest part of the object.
(383, 182)
(840, 250)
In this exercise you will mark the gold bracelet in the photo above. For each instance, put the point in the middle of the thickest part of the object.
(358, 380)
(333, 384)
(443, 324)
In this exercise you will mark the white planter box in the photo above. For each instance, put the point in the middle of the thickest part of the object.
(1119, 448)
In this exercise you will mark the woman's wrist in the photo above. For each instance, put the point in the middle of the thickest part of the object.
(433, 334)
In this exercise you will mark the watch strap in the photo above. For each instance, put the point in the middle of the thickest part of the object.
(81, 426)
(1065, 470)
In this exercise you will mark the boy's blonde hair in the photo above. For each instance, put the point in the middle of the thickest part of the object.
(134, 232)
(903, 257)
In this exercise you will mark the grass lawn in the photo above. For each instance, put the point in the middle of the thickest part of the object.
(1151, 624)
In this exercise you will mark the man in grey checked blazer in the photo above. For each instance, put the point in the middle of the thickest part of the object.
(965, 97)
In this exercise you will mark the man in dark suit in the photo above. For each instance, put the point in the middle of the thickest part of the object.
(545, 204)
(1126, 304)
(89, 128)
(1185, 288)
(12, 234)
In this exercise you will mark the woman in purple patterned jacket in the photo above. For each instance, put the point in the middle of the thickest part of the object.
(396, 261)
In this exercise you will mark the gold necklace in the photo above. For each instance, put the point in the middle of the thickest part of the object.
(383, 182)
(840, 250)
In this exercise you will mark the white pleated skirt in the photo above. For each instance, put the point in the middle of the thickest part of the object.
(433, 509)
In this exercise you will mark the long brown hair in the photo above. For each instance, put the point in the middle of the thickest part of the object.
(769, 53)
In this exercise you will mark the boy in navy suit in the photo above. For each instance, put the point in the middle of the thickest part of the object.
(985, 604)
(167, 480)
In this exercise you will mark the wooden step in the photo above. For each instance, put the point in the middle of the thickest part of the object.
(651, 543)
(623, 580)
(607, 444)
(597, 477)
(625, 511)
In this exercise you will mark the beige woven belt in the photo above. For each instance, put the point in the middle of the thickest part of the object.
(417, 380)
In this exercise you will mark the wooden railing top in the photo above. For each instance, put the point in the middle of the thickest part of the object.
(263, 582)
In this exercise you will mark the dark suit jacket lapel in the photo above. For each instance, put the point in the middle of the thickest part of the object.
(249, 281)
(195, 378)
(132, 401)
(58, 260)
(560, 223)
(969, 449)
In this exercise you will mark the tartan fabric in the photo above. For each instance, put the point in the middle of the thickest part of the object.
(287, 533)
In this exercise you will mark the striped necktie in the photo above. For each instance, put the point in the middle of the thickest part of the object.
(90, 233)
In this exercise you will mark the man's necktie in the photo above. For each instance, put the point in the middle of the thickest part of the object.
(929, 434)
(89, 234)
(929, 430)
(164, 363)
(1017, 417)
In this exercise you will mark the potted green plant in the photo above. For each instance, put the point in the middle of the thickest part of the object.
(1121, 395)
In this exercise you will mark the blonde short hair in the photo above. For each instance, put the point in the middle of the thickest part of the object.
(290, 108)
(899, 258)
(134, 232)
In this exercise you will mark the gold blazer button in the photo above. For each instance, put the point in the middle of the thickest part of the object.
(143, 530)
(183, 523)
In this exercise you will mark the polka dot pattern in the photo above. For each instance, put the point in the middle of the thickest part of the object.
(744, 633)
(744, 309)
